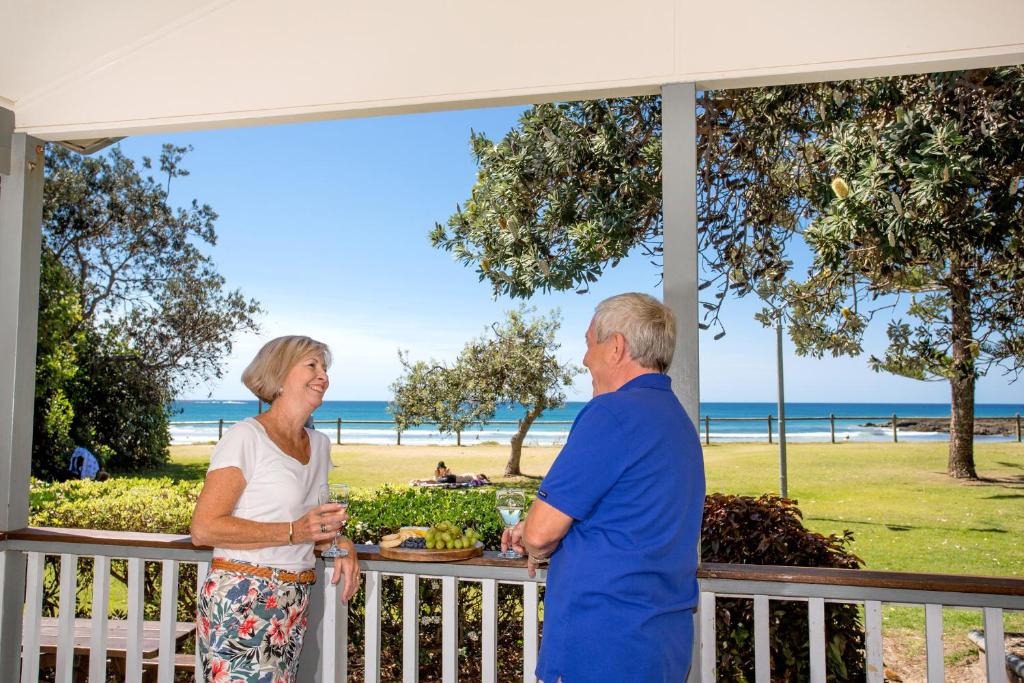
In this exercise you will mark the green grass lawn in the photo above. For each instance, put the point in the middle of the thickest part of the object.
(906, 514)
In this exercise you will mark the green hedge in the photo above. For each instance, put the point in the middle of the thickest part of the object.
(745, 530)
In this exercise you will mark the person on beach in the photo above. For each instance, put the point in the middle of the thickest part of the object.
(443, 475)
(258, 509)
(619, 513)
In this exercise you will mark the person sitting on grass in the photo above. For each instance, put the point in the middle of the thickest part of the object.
(443, 475)
(83, 465)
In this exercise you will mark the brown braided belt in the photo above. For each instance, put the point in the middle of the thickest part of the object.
(307, 576)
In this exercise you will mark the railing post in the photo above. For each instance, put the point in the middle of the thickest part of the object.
(769, 427)
(707, 430)
(895, 438)
(21, 210)
(832, 425)
(339, 431)
(220, 429)
(319, 632)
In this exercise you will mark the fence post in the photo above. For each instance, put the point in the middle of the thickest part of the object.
(220, 429)
(769, 427)
(895, 439)
(707, 430)
(1018, 427)
(832, 425)
(458, 437)
(339, 431)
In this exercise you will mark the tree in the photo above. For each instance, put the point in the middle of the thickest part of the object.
(58, 339)
(131, 310)
(136, 259)
(576, 187)
(928, 206)
(514, 363)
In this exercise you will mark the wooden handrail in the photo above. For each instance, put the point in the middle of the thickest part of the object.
(950, 583)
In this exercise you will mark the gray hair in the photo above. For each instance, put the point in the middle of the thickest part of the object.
(648, 326)
(267, 371)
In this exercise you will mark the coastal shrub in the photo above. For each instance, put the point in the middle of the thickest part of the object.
(385, 510)
(91, 391)
(157, 505)
(121, 410)
(737, 529)
(769, 530)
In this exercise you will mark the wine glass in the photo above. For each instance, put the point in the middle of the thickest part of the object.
(510, 506)
(334, 493)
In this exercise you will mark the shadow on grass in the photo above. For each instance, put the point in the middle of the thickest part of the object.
(908, 527)
(1005, 496)
(179, 471)
(1014, 465)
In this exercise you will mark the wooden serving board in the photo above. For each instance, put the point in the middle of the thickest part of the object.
(424, 555)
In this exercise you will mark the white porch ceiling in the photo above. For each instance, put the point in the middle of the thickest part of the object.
(82, 70)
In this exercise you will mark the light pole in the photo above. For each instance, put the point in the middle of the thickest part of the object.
(783, 488)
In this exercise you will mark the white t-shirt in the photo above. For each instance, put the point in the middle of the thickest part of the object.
(278, 488)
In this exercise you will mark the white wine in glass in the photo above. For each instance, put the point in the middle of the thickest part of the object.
(511, 503)
(334, 493)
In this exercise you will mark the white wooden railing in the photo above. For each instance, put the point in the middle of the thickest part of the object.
(327, 637)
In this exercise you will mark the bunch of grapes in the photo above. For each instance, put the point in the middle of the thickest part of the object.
(448, 536)
(414, 542)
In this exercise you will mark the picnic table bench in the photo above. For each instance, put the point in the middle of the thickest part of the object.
(117, 644)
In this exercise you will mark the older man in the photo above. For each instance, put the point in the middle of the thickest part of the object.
(619, 512)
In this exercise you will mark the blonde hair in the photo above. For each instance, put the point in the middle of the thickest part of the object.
(648, 326)
(265, 374)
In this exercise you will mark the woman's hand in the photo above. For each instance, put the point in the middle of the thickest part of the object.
(349, 567)
(322, 523)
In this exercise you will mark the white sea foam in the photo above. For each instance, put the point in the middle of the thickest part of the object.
(185, 434)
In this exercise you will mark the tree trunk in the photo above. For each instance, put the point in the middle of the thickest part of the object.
(961, 381)
(512, 466)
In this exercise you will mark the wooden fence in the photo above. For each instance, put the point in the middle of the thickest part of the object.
(770, 419)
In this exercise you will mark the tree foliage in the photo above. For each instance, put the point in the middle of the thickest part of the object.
(576, 187)
(142, 276)
(513, 363)
(131, 310)
(930, 168)
(925, 224)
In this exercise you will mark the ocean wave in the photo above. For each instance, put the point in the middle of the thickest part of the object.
(184, 434)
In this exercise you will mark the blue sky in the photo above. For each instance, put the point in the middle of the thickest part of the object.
(326, 225)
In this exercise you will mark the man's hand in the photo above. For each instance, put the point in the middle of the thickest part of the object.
(534, 563)
(513, 538)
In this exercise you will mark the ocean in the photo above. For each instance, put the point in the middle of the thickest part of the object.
(360, 422)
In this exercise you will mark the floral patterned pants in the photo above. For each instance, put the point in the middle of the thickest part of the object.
(250, 628)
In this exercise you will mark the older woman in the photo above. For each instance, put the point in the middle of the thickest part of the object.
(259, 511)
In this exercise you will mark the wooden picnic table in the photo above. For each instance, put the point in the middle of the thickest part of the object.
(117, 640)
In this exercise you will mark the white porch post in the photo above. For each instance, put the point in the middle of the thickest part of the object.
(21, 206)
(679, 201)
(679, 207)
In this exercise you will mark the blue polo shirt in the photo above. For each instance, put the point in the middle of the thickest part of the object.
(622, 584)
